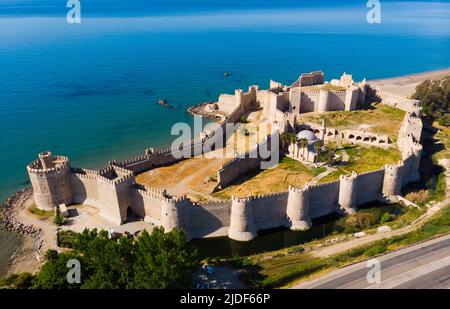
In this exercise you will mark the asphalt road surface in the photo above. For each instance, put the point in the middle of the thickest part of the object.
(423, 266)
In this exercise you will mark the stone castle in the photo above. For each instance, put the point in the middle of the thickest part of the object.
(114, 191)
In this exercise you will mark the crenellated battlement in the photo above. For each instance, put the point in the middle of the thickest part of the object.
(56, 164)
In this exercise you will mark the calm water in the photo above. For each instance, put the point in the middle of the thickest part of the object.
(266, 241)
(89, 90)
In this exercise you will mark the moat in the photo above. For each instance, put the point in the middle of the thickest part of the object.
(269, 240)
(280, 238)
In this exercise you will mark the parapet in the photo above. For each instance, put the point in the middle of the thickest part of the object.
(48, 163)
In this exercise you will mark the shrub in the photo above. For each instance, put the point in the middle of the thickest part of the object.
(243, 119)
(375, 250)
(386, 217)
(17, 281)
(51, 254)
(59, 219)
(66, 239)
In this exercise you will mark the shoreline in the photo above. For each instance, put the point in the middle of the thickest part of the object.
(406, 84)
(422, 74)
(27, 254)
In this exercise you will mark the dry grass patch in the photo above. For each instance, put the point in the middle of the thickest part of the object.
(192, 174)
(288, 172)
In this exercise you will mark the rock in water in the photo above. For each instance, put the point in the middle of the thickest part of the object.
(163, 102)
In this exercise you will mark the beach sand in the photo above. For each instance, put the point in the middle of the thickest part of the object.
(406, 85)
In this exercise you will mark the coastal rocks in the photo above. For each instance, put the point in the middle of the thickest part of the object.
(207, 110)
(9, 222)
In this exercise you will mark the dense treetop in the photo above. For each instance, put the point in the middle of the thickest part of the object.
(435, 98)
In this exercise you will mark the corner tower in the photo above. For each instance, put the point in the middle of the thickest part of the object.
(50, 179)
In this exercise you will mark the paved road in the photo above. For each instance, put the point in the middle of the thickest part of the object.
(425, 266)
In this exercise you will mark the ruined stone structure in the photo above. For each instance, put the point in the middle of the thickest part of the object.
(115, 193)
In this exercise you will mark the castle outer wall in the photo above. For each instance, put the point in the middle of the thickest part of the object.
(114, 192)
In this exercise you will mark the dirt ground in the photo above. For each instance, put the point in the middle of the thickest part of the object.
(197, 177)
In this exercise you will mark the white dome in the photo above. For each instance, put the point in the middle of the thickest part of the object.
(307, 135)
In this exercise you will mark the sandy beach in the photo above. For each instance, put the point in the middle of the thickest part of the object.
(406, 85)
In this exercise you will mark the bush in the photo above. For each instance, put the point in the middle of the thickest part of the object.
(51, 254)
(386, 217)
(296, 250)
(66, 239)
(375, 250)
(59, 219)
(444, 120)
(17, 281)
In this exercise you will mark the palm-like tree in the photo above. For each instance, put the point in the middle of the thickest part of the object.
(317, 146)
(303, 143)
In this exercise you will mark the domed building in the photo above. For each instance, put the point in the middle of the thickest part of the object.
(308, 135)
(304, 149)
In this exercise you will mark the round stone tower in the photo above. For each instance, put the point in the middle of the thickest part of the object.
(170, 216)
(392, 182)
(298, 209)
(347, 192)
(50, 179)
(323, 101)
(242, 226)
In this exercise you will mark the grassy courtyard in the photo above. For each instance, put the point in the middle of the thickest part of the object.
(381, 119)
(363, 159)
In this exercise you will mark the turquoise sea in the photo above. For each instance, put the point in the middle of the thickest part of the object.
(89, 90)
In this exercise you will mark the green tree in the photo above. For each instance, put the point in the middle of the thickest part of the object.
(163, 260)
(53, 273)
(288, 138)
(317, 147)
(435, 99)
(110, 261)
(303, 143)
(159, 260)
